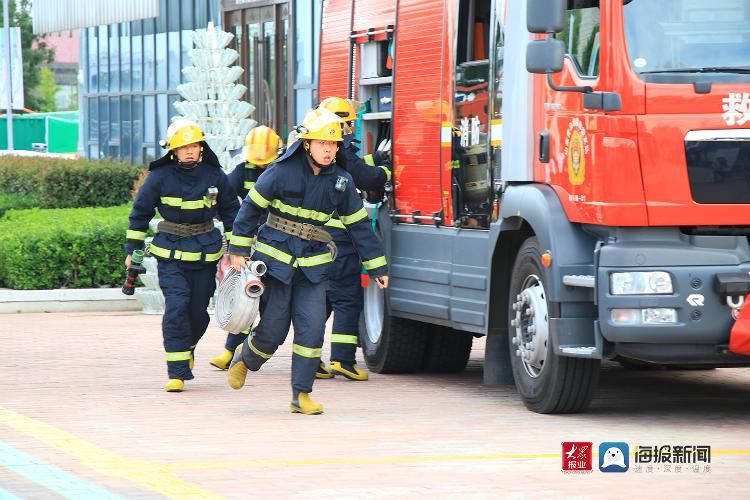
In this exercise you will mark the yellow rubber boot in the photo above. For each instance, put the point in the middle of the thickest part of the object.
(222, 362)
(238, 371)
(352, 372)
(323, 371)
(303, 404)
(174, 385)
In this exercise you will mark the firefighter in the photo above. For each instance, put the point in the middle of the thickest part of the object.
(345, 296)
(300, 192)
(262, 147)
(189, 188)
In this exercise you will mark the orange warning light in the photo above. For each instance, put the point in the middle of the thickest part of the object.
(547, 259)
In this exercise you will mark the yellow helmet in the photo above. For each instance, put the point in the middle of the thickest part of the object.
(262, 145)
(322, 125)
(182, 132)
(345, 108)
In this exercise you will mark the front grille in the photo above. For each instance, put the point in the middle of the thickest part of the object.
(718, 163)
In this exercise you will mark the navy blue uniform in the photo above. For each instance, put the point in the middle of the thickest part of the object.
(186, 265)
(345, 296)
(242, 179)
(297, 268)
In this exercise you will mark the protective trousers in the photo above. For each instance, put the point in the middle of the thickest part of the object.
(345, 299)
(302, 304)
(235, 339)
(187, 290)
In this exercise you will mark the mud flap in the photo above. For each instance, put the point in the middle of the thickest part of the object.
(739, 336)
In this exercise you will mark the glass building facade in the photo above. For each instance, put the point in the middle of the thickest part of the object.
(307, 55)
(131, 71)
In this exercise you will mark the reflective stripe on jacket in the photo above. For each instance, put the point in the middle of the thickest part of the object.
(243, 177)
(367, 177)
(290, 189)
(182, 196)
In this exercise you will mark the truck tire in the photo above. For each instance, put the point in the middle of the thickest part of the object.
(389, 345)
(447, 351)
(546, 382)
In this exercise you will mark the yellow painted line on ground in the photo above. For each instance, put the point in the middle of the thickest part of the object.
(355, 461)
(161, 478)
(158, 478)
(244, 464)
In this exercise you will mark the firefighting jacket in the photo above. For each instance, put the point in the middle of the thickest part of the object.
(291, 190)
(243, 177)
(183, 196)
(367, 177)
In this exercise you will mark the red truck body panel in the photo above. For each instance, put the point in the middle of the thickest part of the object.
(622, 168)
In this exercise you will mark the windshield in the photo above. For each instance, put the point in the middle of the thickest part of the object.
(673, 41)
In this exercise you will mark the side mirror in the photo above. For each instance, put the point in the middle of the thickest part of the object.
(545, 16)
(545, 56)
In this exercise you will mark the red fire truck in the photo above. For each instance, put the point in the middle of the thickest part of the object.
(571, 180)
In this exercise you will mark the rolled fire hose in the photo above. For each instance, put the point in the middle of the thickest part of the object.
(239, 297)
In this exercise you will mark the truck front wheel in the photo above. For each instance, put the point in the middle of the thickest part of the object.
(547, 382)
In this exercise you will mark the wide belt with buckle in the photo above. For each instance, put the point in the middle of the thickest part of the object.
(299, 229)
(302, 230)
(184, 230)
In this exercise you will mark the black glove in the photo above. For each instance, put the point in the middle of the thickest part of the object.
(382, 158)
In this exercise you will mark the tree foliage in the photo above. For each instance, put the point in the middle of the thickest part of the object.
(46, 90)
(35, 55)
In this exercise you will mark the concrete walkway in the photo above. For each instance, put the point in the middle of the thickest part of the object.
(66, 300)
(83, 415)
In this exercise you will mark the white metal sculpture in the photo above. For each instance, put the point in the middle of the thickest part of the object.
(212, 99)
(212, 94)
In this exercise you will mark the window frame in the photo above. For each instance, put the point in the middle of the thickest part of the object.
(596, 45)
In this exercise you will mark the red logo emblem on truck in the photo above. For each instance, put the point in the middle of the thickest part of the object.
(576, 149)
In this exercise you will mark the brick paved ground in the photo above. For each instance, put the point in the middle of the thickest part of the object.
(82, 412)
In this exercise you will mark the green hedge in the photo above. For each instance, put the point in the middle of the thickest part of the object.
(16, 202)
(59, 183)
(63, 248)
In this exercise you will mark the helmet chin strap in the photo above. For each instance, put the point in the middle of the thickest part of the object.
(319, 165)
(190, 165)
(310, 156)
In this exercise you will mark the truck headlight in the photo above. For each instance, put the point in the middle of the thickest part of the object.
(659, 315)
(650, 316)
(641, 283)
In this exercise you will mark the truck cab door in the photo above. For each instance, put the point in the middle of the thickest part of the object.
(586, 140)
(566, 156)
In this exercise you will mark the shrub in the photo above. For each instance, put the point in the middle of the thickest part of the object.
(60, 183)
(63, 248)
(16, 202)
(20, 175)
